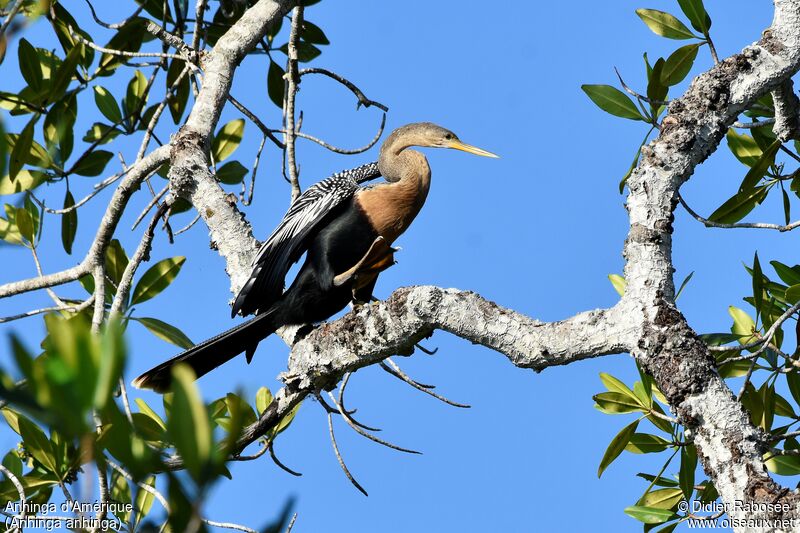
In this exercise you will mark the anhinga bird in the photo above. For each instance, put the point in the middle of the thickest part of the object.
(346, 231)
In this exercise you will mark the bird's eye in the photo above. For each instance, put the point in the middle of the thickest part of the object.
(448, 136)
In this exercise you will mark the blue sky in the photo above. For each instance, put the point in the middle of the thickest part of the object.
(538, 230)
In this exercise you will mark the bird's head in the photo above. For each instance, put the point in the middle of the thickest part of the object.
(428, 134)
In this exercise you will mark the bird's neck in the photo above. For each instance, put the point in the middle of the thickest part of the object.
(408, 168)
(392, 206)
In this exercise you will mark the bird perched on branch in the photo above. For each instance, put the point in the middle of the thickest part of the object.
(346, 231)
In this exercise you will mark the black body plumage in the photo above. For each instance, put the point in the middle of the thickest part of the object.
(326, 224)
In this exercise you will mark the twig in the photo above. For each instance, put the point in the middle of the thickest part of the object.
(362, 100)
(765, 340)
(151, 126)
(291, 523)
(188, 226)
(229, 525)
(126, 404)
(199, 31)
(20, 491)
(339, 457)
(70, 309)
(115, 25)
(751, 225)
(342, 388)
(292, 81)
(121, 53)
(53, 296)
(366, 434)
(260, 125)
(142, 254)
(186, 53)
(144, 486)
(396, 372)
(249, 199)
(99, 275)
(637, 95)
(149, 206)
(11, 13)
(344, 151)
(754, 124)
(279, 463)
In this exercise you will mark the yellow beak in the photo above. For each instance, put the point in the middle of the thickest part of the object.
(458, 145)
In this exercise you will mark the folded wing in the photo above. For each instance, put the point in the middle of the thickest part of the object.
(293, 235)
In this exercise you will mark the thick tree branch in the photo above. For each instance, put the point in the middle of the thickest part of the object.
(373, 332)
(729, 446)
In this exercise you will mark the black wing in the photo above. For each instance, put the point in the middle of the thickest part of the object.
(290, 239)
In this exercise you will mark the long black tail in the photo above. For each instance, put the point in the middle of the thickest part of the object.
(210, 354)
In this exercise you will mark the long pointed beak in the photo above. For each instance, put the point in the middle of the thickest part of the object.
(458, 145)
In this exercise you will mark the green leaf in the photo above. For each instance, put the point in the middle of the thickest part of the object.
(188, 424)
(612, 100)
(683, 285)
(661, 499)
(792, 294)
(787, 209)
(664, 24)
(59, 127)
(166, 332)
(784, 465)
(305, 51)
(739, 205)
(65, 26)
(617, 445)
(144, 500)
(101, 133)
(743, 325)
(63, 76)
(688, 467)
(29, 64)
(69, 223)
(116, 261)
(646, 443)
(21, 149)
(760, 167)
(275, 84)
(25, 224)
(678, 64)
(135, 96)
(231, 173)
(619, 283)
(312, 33)
(179, 99)
(758, 279)
(227, 139)
(157, 278)
(93, 164)
(38, 445)
(744, 147)
(789, 275)
(107, 104)
(696, 13)
(615, 385)
(145, 409)
(112, 359)
(616, 403)
(649, 515)
(263, 399)
(656, 91)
